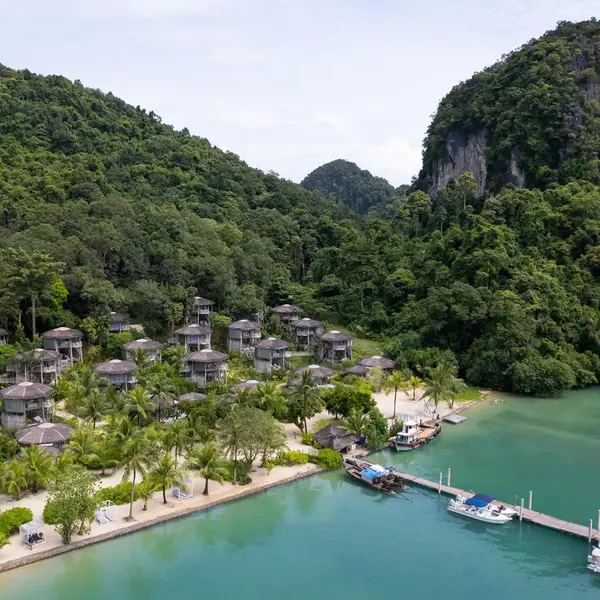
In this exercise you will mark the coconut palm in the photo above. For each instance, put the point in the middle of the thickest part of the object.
(115, 400)
(355, 422)
(83, 444)
(38, 467)
(270, 398)
(244, 397)
(179, 436)
(207, 460)
(93, 407)
(414, 382)
(230, 434)
(456, 387)
(438, 382)
(163, 393)
(139, 457)
(107, 452)
(138, 401)
(304, 401)
(13, 478)
(395, 382)
(166, 474)
(146, 490)
(140, 358)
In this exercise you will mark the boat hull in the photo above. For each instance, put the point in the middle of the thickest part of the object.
(478, 516)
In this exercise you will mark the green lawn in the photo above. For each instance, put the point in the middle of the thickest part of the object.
(471, 393)
(361, 347)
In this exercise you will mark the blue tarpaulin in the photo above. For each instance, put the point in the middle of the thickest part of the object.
(370, 474)
(479, 500)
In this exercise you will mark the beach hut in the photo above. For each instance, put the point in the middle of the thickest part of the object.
(3, 337)
(45, 434)
(242, 336)
(25, 401)
(357, 371)
(271, 355)
(335, 438)
(249, 384)
(193, 337)
(192, 397)
(320, 374)
(119, 322)
(68, 342)
(38, 366)
(335, 347)
(378, 362)
(150, 348)
(204, 366)
(306, 332)
(287, 313)
(120, 373)
(201, 311)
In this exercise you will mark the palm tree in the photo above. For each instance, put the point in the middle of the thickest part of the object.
(107, 452)
(355, 422)
(456, 387)
(396, 382)
(94, 406)
(83, 444)
(146, 489)
(140, 358)
(207, 460)
(14, 478)
(166, 474)
(180, 436)
(230, 434)
(245, 397)
(437, 384)
(414, 382)
(270, 398)
(38, 466)
(115, 400)
(138, 401)
(138, 457)
(162, 391)
(304, 401)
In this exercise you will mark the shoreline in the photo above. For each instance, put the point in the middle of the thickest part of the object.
(136, 526)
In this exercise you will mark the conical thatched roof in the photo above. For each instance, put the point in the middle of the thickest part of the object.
(377, 362)
(318, 371)
(44, 433)
(334, 437)
(205, 356)
(245, 325)
(306, 323)
(62, 333)
(274, 344)
(143, 344)
(335, 336)
(287, 309)
(116, 367)
(193, 330)
(26, 391)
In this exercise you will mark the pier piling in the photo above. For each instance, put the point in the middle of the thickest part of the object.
(440, 483)
(530, 499)
(450, 473)
(522, 507)
(590, 532)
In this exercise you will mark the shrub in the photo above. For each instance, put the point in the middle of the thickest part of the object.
(8, 447)
(396, 427)
(329, 459)
(119, 494)
(242, 471)
(13, 518)
(307, 438)
(49, 515)
(288, 459)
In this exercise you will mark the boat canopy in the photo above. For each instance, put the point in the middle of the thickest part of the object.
(479, 500)
(370, 474)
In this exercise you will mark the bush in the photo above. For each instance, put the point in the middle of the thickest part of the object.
(13, 518)
(288, 459)
(329, 459)
(396, 427)
(8, 447)
(242, 471)
(48, 515)
(307, 438)
(119, 494)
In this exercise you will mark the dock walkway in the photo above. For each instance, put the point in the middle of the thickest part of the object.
(531, 516)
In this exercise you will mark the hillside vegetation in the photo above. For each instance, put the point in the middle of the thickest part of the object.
(136, 216)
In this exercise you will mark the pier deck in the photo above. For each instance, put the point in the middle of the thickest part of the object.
(532, 516)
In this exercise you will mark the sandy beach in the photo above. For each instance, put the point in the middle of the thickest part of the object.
(16, 553)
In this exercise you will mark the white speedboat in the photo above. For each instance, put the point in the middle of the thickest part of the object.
(500, 509)
(479, 508)
(594, 560)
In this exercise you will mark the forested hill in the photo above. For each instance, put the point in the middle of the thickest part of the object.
(143, 216)
(349, 185)
(531, 120)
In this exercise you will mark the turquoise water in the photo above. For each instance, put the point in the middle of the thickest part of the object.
(330, 537)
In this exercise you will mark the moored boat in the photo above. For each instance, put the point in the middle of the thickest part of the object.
(384, 479)
(594, 559)
(414, 433)
(495, 507)
(479, 508)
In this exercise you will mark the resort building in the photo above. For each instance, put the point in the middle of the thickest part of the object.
(201, 311)
(242, 336)
(25, 401)
(357, 371)
(204, 366)
(336, 438)
(3, 337)
(271, 355)
(306, 332)
(320, 374)
(38, 366)
(193, 338)
(191, 397)
(287, 313)
(47, 435)
(68, 342)
(120, 373)
(335, 347)
(119, 322)
(150, 348)
(249, 384)
(378, 362)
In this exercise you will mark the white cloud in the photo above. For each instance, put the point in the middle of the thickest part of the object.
(333, 121)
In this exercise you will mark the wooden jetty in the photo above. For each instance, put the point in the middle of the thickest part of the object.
(525, 514)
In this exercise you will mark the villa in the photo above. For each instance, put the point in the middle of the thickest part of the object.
(3, 337)
(204, 366)
(150, 348)
(287, 313)
(120, 373)
(272, 354)
(68, 342)
(242, 336)
(201, 311)
(378, 362)
(335, 347)
(306, 332)
(119, 322)
(38, 366)
(25, 401)
(193, 337)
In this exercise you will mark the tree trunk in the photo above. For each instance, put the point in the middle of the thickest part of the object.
(235, 465)
(94, 421)
(132, 493)
(33, 330)
(414, 394)
(395, 396)
(205, 492)
(164, 494)
(145, 504)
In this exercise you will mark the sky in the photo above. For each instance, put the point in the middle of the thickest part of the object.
(287, 85)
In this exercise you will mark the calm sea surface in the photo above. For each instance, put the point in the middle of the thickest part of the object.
(328, 537)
